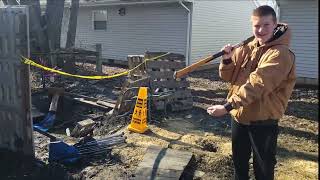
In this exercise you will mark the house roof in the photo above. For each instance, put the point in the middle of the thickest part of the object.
(114, 2)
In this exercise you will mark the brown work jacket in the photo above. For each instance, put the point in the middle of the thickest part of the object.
(261, 77)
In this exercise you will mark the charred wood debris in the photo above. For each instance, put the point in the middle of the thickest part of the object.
(92, 112)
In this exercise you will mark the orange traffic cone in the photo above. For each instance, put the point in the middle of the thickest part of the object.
(139, 117)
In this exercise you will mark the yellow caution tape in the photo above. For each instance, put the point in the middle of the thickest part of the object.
(32, 63)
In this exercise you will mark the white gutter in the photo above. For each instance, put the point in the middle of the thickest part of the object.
(188, 34)
(114, 3)
(67, 4)
(123, 3)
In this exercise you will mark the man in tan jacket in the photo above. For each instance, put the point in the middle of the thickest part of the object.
(262, 77)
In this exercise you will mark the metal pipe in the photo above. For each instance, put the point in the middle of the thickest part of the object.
(96, 148)
(105, 139)
(109, 137)
(112, 136)
(100, 144)
(101, 141)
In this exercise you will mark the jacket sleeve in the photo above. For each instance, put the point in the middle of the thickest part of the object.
(226, 69)
(267, 77)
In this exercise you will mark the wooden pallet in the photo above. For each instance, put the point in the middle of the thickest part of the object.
(134, 63)
(167, 93)
(162, 82)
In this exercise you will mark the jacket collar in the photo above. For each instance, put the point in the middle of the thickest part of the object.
(282, 36)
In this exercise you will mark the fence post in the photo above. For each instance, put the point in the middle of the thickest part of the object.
(16, 131)
(99, 60)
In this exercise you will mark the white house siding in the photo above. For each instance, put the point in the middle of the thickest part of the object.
(153, 27)
(302, 17)
(216, 23)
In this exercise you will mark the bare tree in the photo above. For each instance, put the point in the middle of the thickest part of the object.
(38, 35)
(53, 15)
(72, 28)
(45, 28)
(69, 66)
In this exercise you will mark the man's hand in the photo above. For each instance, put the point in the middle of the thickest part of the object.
(228, 51)
(217, 110)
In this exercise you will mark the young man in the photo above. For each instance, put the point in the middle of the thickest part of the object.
(262, 77)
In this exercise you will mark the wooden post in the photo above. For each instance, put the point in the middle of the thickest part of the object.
(53, 59)
(99, 60)
(16, 131)
(133, 61)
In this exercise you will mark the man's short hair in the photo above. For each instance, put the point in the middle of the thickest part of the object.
(264, 10)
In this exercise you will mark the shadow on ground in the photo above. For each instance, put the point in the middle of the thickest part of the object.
(287, 154)
(310, 110)
(16, 166)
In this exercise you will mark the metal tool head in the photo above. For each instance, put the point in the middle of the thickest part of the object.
(55, 90)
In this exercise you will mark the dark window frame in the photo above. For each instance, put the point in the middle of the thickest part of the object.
(98, 25)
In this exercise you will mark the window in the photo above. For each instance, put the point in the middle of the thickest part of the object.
(99, 18)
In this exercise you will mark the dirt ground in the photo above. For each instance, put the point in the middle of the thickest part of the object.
(208, 138)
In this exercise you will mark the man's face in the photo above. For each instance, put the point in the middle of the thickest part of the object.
(263, 27)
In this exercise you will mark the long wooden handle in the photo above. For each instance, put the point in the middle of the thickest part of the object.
(54, 103)
(192, 67)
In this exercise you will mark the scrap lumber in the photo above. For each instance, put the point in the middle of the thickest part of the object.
(83, 128)
(90, 101)
(95, 103)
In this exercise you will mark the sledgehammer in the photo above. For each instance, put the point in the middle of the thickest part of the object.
(192, 67)
(56, 93)
(48, 121)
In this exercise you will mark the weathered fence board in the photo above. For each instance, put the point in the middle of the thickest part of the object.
(16, 133)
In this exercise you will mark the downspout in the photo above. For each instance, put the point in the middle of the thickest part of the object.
(188, 34)
(277, 4)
